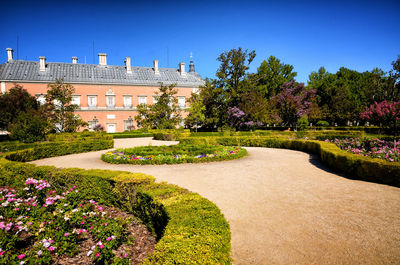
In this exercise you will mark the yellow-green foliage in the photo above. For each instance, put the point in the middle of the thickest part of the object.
(354, 166)
(189, 228)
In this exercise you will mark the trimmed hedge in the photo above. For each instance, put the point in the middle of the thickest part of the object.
(61, 148)
(130, 135)
(175, 154)
(190, 229)
(354, 166)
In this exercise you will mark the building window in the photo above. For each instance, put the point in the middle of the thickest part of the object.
(93, 123)
(182, 102)
(41, 99)
(57, 103)
(76, 100)
(128, 101)
(155, 99)
(128, 124)
(3, 87)
(92, 101)
(110, 101)
(142, 100)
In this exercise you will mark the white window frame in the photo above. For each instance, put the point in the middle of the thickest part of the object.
(142, 100)
(127, 124)
(110, 101)
(41, 98)
(128, 101)
(95, 101)
(76, 100)
(155, 99)
(115, 127)
(181, 104)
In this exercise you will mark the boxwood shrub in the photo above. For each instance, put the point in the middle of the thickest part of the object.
(175, 154)
(189, 228)
(354, 166)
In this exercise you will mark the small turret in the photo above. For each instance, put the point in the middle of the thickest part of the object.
(191, 65)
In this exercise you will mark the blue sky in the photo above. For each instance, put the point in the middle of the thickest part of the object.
(359, 35)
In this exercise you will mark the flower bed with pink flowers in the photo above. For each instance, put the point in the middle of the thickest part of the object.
(43, 225)
(374, 148)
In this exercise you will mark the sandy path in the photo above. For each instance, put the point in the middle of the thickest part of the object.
(283, 206)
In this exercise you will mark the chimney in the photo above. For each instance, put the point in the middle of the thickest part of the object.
(156, 70)
(182, 68)
(74, 60)
(102, 58)
(128, 65)
(10, 54)
(42, 63)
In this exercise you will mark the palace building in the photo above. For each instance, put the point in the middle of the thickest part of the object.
(105, 94)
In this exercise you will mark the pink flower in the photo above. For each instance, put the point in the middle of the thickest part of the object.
(21, 256)
(125, 255)
(82, 223)
(2, 253)
(51, 248)
(106, 224)
(98, 254)
(39, 252)
(91, 227)
(108, 238)
(66, 234)
(101, 246)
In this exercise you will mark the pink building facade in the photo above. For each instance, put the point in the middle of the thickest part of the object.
(105, 94)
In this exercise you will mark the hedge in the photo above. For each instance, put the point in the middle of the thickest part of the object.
(189, 228)
(175, 154)
(130, 135)
(60, 148)
(354, 166)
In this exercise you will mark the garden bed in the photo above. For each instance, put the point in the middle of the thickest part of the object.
(175, 154)
(46, 225)
(374, 148)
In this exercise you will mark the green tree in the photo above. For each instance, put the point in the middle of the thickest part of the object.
(271, 75)
(13, 103)
(393, 87)
(196, 111)
(232, 71)
(215, 103)
(164, 114)
(29, 127)
(59, 108)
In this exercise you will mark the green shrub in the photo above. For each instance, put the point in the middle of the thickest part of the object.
(322, 123)
(175, 154)
(190, 229)
(354, 166)
(29, 127)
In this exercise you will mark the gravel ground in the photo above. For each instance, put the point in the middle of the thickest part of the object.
(283, 206)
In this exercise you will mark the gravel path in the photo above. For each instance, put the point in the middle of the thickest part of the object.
(283, 206)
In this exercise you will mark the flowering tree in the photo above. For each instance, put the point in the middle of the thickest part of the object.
(293, 102)
(385, 113)
(235, 117)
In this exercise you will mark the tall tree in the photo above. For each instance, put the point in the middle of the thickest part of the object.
(293, 102)
(14, 102)
(233, 69)
(272, 74)
(164, 114)
(196, 111)
(393, 88)
(215, 103)
(59, 107)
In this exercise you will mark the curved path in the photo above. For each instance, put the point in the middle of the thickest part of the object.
(283, 206)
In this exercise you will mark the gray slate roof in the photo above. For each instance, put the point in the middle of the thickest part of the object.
(19, 70)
